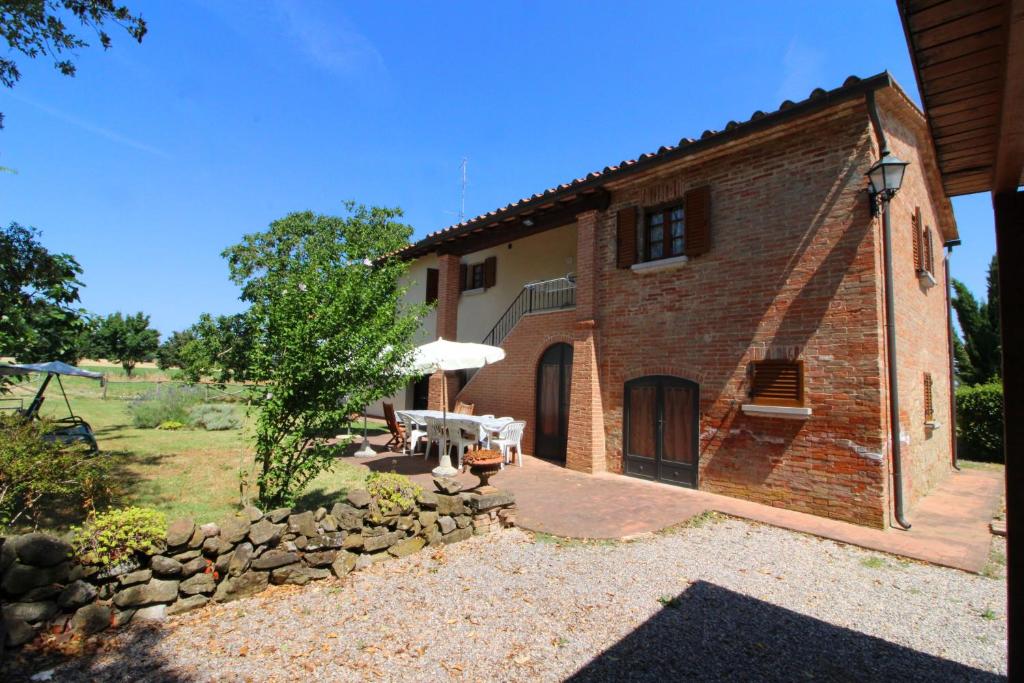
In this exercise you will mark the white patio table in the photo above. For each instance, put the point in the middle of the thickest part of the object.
(486, 424)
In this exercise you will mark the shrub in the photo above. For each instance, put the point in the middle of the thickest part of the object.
(979, 422)
(164, 404)
(392, 490)
(214, 417)
(33, 467)
(170, 425)
(115, 536)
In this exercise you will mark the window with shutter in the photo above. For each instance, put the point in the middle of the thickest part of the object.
(626, 237)
(698, 220)
(777, 382)
(432, 284)
(463, 277)
(490, 271)
(929, 406)
(915, 235)
(929, 251)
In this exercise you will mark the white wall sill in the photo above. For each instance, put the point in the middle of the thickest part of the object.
(932, 424)
(474, 292)
(926, 279)
(785, 412)
(660, 264)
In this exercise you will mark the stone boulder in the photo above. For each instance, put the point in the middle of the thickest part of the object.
(359, 498)
(187, 604)
(407, 546)
(32, 612)
(458, 535)
(450, 505)
(272, 559)
(265, 532)
(19, 632)
(447, 485)
(164, 566)
(352, 542)
(234, 529)
(489, 501)
(427, 517)
(447, 524)
(21, 578)
(200, 583)
(194, 566)
(348, 517)
(180, 531)
(235, 587)
(137, 576)
(151, 613)
(91, 619)
(210, 530)
(76, 594)
(382, 541)
(343, 564)
(240, 559)
(156, 591)
(252, 513)
(428, 500)
(320, 559)
(302, 523)
(279, 515)
(297, 575)
(40, 550)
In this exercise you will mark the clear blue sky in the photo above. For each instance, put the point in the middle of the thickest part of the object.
(230, 114)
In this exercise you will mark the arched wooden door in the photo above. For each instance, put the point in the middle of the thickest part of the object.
(554, 380)
(660, 427)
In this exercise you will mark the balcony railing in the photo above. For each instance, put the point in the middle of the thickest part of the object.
(548, 295)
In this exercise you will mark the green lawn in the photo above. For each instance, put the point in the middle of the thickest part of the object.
(188, 472)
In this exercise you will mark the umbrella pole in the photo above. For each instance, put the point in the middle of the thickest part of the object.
(444, 466)
(366, 451)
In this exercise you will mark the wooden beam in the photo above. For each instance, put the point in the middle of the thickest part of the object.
(1009, 162)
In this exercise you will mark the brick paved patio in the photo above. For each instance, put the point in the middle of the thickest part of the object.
(950, 526)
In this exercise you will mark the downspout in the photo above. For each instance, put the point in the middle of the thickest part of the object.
(890, 332)
(952, 367)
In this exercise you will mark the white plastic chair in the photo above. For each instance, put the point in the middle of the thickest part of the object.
(436, 434)
(413, 432)
(494, 426)
(463, 434)
(511, 436)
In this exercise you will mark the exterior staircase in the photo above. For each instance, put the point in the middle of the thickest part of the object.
(535, 297)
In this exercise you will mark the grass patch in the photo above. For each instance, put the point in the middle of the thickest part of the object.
(565, 542)
(670, 602)
(978, 465)
(988, 614)
(996, 565)
(874, 562)
(182, 473)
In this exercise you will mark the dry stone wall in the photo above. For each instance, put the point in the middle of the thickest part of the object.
(44, 586)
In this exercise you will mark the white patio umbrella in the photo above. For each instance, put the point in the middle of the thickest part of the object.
(447, 355)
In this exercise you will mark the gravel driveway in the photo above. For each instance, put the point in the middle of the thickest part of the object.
(726, 600)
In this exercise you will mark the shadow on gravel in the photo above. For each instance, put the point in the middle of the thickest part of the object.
(131, 657)
(711, 633)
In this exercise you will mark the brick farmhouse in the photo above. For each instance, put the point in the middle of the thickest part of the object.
(713, 314)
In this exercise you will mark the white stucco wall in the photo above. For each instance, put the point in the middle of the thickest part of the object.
(542, 256)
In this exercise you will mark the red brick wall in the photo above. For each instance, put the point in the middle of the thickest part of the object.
(792, 270)
(509, 387)
(921, 322)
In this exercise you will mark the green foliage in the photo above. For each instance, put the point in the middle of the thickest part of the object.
(218, 348)
(169, 354)
(979, 421)
(978, 358)
(392, 490)
(171, 425)
(170, 403)
(38, 289)
(37, 29)
(115, 536)
(128, 339)
(214, 418)
(34, 467)
(329, 333)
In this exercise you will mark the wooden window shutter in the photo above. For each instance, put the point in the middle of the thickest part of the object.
(698, 220)
(916, 223)
(777, 382)
(626, 237)
(463, 276)
(432, 283)
(929, 251)
(490, 271)
(929, 405)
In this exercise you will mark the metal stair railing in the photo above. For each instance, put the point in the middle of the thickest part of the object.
(547, 295)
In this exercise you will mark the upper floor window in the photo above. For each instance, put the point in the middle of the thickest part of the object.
(777, 382)
(665, 233)
(481, 275)
(476, 276)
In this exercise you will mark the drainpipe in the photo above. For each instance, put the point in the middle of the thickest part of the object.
(952, 367)
(890, 333)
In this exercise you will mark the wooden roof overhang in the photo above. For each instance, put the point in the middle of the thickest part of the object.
(968, 57)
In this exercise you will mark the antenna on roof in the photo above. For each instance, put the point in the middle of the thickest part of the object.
(462, 204)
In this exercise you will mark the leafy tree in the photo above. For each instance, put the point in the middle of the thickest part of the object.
(128, 339)
(219, 348)
(36, 28)
(980, 360)
(169, 354)
(330, 333)
(38, 290)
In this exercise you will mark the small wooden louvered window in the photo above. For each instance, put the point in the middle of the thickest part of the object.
(777, 382)
(929, 405)
(915, 225)
(929, 251)
(626, 237)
